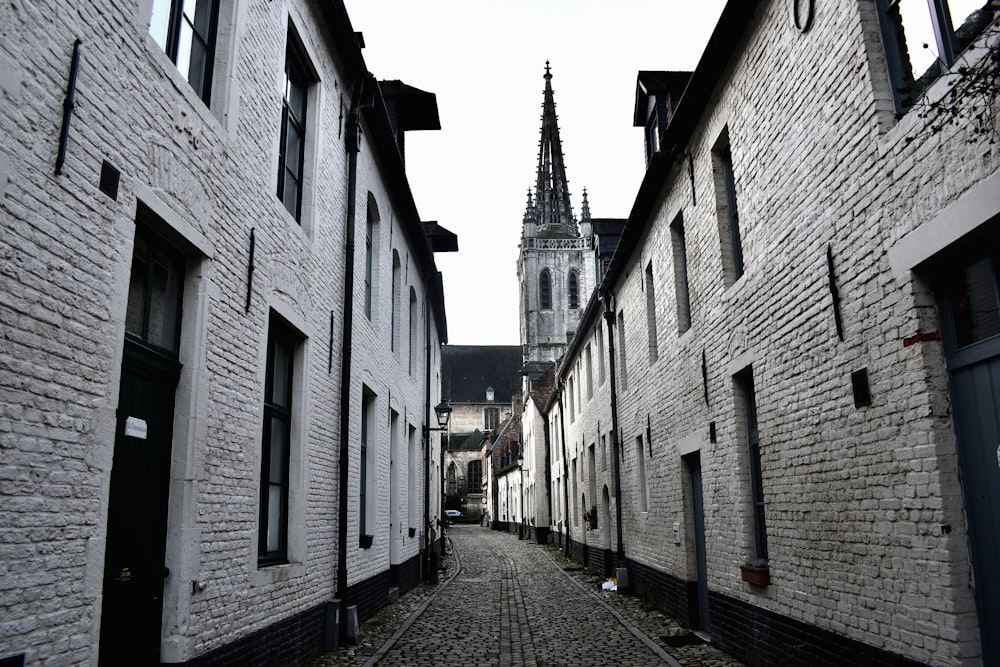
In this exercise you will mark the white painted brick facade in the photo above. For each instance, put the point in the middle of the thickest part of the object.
(207, 175)
(864, 507)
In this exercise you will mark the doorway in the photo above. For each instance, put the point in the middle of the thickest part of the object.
(701, 617)
(970, 313)
(134, 571)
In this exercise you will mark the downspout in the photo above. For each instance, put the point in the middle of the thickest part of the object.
(609, 317)
(353, 141)
(566, 480)
(428, 575)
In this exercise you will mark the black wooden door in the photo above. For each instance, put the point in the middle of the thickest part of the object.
(134, 570)
(700, 554)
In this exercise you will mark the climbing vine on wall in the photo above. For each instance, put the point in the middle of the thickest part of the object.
(974, 97)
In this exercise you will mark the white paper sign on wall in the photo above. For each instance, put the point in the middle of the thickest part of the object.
(135, 428)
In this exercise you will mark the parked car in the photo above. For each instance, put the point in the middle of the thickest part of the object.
(453, 515)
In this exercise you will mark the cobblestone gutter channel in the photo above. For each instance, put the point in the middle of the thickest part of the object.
(504, 602)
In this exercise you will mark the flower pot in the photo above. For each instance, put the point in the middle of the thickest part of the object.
(754, 575)
(413, 531)
(365, 541)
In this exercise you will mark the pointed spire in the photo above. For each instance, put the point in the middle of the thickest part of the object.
(553, 209)
(585, 214)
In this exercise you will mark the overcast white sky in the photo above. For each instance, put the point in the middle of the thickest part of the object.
(484, 59)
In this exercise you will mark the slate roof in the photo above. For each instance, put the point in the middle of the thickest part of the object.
(468, 370)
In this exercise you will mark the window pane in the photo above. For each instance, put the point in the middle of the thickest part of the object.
(159, 22)
(184, 49)
(275, 510)
(279, 444)
(962, 9)
(135, 314)
(975, 303)
(296, 94)
(291, 198)
(918, 33)
(293, 150)
(280, 391)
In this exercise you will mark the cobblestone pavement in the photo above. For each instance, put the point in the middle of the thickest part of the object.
(506, 602)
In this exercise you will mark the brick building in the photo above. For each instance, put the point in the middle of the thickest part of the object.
(779, 412)
(222, 324)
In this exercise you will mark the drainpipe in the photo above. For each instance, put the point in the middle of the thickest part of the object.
(609, 317)
(548, 466)
(428, 575)
(353, 141)
(562, 436)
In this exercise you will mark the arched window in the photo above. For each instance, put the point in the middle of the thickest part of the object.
(574, 292)
(545, 290)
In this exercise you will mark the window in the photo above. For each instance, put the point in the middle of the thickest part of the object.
(572, 401)
(729, 218)
(651, 313)
(412, 509)
(452, 480)
(623, 372)
(474, 477)
(747, 404)
(604, 452)
(681, 275)
(544, 290)
(652, 134)
(371, 218)
(413, 330)
(272, 546)
(589, 364)
(366, 475)
(600, 355)
(924, 37)
(156, 286)
(574, 296)
(292, 149)
(491, 417)
(185, 30)
(396, 296)
(640, 471)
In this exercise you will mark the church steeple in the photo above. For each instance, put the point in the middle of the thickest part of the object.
(553, 212)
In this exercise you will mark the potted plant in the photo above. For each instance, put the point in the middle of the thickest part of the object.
(756, 572)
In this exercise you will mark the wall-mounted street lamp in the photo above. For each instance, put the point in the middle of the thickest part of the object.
(443, 412)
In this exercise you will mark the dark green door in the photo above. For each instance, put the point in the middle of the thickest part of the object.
(971, 310)
(134, 571)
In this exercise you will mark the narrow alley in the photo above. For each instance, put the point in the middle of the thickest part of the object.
(503, 601)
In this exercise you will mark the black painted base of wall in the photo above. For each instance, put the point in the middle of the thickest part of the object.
(756, 636)
(760, 637)
(287, 642)
(302, 636)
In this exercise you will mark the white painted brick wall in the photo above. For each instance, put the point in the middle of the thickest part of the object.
(855, 498)
(66, 248)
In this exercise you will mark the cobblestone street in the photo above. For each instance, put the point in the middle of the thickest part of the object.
(503, 601)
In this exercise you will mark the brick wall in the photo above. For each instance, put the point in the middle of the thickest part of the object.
(204, 176)
(861, 504)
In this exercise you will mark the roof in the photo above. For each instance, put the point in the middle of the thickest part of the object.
(417, 109)
(467, 371)
(659, 84)
(542, 388)
(607, 231)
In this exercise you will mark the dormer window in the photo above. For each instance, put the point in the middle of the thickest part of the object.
(489, 393)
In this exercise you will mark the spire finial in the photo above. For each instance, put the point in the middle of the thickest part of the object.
(548, 74)
(585, 212)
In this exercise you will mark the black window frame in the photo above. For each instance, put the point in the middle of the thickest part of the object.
(278, 333)
(474, 477)
(544, 290)
(204, 32)
(573, 284)
(744, 380)
(950, 41)
(296, 73)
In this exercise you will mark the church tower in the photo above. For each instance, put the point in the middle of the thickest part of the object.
(555, 266)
